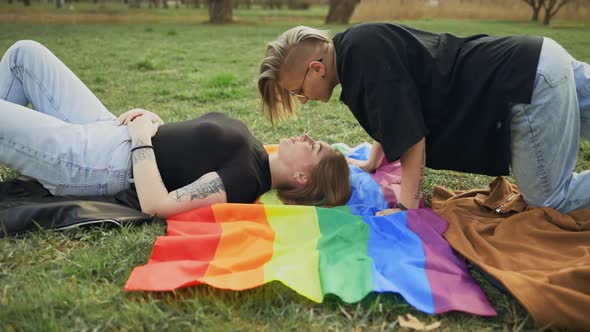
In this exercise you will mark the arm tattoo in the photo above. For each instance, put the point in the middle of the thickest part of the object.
(139, 142)
(200, 189)
(142, 154)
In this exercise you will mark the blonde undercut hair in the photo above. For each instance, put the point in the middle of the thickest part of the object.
(277, 103)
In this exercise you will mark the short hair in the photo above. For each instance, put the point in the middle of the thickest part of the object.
(329, 184)
(277, 103)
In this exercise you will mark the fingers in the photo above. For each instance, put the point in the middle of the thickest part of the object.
(355, 162)
(160, 121)
(127, 117)
(130, 118)
(122, 118)
(386, 212)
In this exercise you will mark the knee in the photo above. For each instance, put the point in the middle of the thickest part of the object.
(23, 50)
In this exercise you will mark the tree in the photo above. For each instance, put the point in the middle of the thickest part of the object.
(134, 3)
(536, 6)
(220, 11)
(298, 4)
(551, 8)
(341, 11)
(272, 4)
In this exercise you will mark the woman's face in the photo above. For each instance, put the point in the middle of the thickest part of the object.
(303, 152)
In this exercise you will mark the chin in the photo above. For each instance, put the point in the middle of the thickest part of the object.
(284, 143)
(327, 98)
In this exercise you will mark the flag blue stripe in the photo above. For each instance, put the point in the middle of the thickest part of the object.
(397, 253)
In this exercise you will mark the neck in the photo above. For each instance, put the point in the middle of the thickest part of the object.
(278, 172)
(333, 67)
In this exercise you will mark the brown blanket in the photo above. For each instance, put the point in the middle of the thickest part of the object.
(540, 255)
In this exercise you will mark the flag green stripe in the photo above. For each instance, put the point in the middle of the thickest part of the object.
(345, 267)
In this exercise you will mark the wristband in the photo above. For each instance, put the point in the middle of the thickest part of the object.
(142, 147)
(401, 207)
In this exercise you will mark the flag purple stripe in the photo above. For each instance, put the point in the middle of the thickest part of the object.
(452, 287)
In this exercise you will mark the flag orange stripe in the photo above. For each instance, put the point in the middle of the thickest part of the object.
(240, 266)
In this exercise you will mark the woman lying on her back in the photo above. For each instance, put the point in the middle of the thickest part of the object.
(73, 145)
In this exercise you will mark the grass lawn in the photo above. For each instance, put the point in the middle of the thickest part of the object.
(181, 68)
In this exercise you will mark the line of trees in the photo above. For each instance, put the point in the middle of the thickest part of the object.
(340, 11)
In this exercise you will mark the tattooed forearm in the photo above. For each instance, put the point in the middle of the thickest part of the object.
(200, 189)
(143, 154)
(138, 142)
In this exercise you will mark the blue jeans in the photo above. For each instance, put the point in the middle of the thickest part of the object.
(546, 133)
(70, 142)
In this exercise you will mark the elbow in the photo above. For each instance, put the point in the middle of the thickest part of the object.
(148, 210)
(154, 211)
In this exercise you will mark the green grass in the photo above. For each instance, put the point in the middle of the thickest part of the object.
(74, 280)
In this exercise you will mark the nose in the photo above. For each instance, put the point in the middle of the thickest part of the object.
(306, 138)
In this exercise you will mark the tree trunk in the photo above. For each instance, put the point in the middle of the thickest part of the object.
(551, 8)
(59, 4)
(536, 7)
(134, 3)
(535, 17)
(341, 11)
(220, 11)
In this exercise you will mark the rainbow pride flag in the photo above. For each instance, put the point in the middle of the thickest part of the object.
(345, 251)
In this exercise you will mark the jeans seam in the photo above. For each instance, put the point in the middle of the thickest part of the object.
(9, 87)
(539, 158)
(37, 81)
(27, 150)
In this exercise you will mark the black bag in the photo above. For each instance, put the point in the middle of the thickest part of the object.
(25, 205)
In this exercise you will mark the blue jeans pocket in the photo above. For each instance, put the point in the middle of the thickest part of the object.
(555, 63)
(556, 75)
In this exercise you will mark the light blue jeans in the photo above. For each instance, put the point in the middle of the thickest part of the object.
(546, 133)
(70, 142)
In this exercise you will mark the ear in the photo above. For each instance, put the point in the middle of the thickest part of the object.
(318, 67)
(301, 178)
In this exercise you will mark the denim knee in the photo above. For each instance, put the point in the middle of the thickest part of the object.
(24, 51)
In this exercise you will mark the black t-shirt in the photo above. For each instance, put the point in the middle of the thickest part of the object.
(214, 142)
(402, 84)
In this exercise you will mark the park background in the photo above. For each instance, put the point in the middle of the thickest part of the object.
(181, 59)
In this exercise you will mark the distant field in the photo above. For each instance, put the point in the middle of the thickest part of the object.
(170, 62)
(377, 10)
